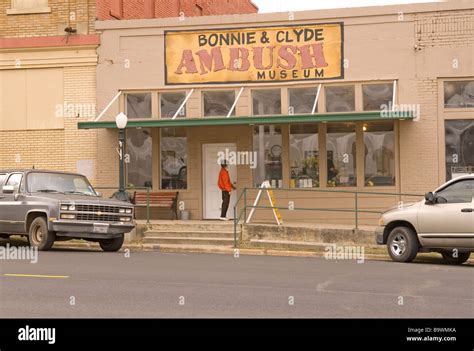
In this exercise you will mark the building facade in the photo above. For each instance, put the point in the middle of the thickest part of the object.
(373, 99)
(47, 84)
(48, 60)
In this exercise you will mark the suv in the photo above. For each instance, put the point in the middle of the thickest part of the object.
(443, 222)
(48, 206)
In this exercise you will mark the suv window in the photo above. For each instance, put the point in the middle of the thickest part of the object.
(15, 181)
(459, 192)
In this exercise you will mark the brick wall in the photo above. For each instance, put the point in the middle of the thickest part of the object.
(25, 149)
(419, 158)
(78, 14)
(447, 28)
(134, 9)
(81, 145)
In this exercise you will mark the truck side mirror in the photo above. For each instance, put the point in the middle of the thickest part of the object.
(8, 189)
(98, 193)
(429, 198)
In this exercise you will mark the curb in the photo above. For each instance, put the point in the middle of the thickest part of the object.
(212, 250)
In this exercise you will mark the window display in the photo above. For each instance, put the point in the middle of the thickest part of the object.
(340, 98)
(304, 156)
(301, 100)
(376, 96)
(341, 154)
(267, 143)
(459, 94)
(139, 149)
(459, 138)
(379, 140)
(170, 103)
(266, 102)
(173, 151)
(218, 103)
(138, 105)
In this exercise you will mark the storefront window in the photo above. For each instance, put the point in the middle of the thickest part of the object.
(377, 96)
(459, 94)
(267, 143)
(379, 140)
(304, 156)
(301, 100)
(218, 103)
(266, 102)
(459, 136)
(139, 105)
(173, 150)
(139, 148)
(170, 103)
(340, 98)
(341, 154)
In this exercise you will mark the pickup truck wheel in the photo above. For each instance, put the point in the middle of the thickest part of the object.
(460, 259)
(39, 236)
(112, 245)
(402, 244)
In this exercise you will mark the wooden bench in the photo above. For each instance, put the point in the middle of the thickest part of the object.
(158, 201)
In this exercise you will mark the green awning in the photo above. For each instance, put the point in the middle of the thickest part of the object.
(279, 119)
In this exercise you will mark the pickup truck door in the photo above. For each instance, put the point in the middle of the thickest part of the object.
(449, 222)
(12, 212)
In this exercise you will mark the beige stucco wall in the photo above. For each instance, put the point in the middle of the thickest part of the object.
(412, 44)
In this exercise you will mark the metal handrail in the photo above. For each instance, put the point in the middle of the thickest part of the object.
(356, 210)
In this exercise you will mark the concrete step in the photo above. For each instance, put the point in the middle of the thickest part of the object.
(190, 234)
(188, 241)
(214, 226)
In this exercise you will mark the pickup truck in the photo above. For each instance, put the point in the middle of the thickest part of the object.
(49, 206)
(443, 222)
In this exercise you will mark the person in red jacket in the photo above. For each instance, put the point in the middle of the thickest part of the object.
(226, 187)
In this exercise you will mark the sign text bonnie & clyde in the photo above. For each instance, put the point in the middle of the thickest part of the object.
(258, 54)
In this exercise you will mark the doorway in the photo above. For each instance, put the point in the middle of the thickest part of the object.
(212, 195)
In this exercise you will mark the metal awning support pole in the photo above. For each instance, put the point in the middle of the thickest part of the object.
(182, 105)
(316, 100)
(394, 96)
(235, 102)
(108, 106)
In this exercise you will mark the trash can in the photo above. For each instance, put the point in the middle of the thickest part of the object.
(185, 215)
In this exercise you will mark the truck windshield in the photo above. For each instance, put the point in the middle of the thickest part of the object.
(59, 183)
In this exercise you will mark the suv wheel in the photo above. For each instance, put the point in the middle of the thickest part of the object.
(402, 244)
(39, 236)
(460, 259)
(112, 245)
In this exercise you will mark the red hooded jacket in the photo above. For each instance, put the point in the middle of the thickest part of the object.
(224, 180)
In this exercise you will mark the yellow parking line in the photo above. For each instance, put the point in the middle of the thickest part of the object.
(37, 276)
